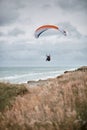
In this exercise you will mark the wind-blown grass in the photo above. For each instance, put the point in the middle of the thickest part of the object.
(8, 92)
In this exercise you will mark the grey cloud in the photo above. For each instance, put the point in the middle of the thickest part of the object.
(11, 10)
(71, 53)
(46, 6)
(18, 54)
(72, 4)
(8, 18)
(8, 12)
(2, 34)
(16, 32)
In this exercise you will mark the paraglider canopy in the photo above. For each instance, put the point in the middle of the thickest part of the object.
(43, 28)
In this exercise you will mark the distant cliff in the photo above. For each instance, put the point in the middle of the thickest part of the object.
(54, 104)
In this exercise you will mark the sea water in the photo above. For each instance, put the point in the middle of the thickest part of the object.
(24, 74)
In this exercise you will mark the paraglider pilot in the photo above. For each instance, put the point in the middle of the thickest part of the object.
(48, 58)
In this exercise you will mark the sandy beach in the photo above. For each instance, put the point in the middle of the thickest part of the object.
(54, 104)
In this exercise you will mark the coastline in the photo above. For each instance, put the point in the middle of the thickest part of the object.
(23, 74)
(53, 104)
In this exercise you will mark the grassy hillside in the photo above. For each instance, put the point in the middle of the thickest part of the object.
(54, 104)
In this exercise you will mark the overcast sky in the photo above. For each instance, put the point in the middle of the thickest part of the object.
(20, 18)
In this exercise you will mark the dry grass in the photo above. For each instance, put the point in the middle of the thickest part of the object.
(53, 104)
(8, 92)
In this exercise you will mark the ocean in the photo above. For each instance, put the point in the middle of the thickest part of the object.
(24, 74)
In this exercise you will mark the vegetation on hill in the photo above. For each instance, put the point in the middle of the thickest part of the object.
(8, 93)
(54, 104)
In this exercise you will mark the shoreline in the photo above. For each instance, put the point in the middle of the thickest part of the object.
(35, 76)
